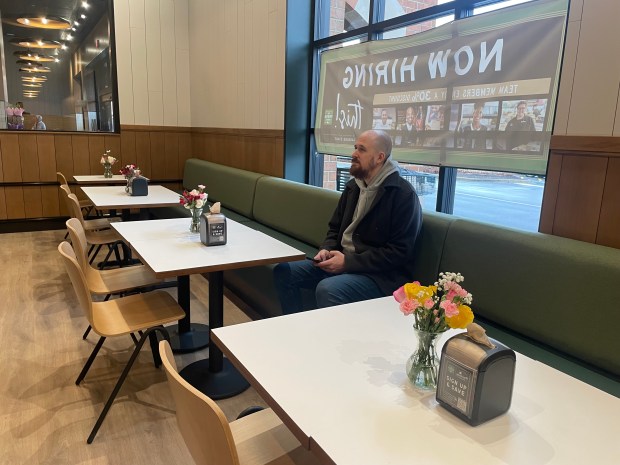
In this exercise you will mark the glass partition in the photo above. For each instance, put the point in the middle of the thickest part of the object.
(57, 69)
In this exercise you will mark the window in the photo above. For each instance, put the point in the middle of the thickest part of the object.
(508, 199)
(59, 69)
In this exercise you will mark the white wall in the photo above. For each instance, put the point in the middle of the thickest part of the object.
(235, 77)
(152, 55)
(589, 94)
(237, 66)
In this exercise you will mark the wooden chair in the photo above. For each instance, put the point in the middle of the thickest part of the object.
(139, 312)
(89, 225)
(107, 282)
(97, 237)
(257, 439)
(86, 205)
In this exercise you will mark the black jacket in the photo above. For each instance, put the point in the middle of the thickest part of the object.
(385, 238)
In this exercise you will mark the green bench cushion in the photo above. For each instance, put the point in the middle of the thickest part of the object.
(255, 285)
(295, 209)
(515, 276)
(429, 247)
(233, 187)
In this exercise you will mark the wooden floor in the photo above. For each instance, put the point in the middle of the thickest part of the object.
(44, 417)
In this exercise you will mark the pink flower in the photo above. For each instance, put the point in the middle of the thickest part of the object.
(450, 308)
(407, 307)
(399, 294)
(428, 303)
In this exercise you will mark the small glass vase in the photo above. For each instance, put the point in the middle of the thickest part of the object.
(107, 170)
(194, 226)
(128, 178)
(423, 364)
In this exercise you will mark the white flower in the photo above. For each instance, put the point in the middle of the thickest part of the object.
(199, 203)
(201, 187)
(194, 192)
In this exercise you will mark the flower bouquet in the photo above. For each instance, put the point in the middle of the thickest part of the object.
(194, 200)
(435, 308)
(107, 161)
(129, 171)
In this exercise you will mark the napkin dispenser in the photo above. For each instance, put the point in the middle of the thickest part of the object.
(475, 379)
(213, 229)
(138, 186)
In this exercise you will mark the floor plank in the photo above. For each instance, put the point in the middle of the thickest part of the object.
(44, 417)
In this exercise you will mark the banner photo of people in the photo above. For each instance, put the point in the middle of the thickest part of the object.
(476, 93)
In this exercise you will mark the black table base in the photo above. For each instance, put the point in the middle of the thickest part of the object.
(227, 382)
(188, 341)
(186, 336)
(215, 376)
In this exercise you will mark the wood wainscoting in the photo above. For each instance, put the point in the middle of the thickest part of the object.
(29, 160)
(582, 193)
(258, 150)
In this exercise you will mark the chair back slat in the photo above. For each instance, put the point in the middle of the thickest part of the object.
(61, 178)
(77, 279)
(78, 240)
(74, 208)
(66, 191)
(202, 423)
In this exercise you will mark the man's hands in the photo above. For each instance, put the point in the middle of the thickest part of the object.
(331, 261)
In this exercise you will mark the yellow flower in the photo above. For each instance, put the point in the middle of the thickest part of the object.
(464, 317)
(420, 293)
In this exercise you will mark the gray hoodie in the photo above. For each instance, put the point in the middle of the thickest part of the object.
(367, 196)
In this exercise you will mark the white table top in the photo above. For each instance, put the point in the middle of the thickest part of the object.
(169, 249)
(116, 197)
(336, 376)
(99, 179)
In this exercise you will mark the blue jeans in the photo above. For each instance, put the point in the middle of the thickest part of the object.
(330, 289)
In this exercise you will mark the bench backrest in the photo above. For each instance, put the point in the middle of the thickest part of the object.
(549, 288)
(296, 209)
(233, 187)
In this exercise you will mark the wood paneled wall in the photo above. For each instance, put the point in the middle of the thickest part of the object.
(258, 150)
(582, 193)
(160, 151)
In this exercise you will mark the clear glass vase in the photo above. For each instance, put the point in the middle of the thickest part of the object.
(128, 179)
(107, 170)
(423, 364)
(194, 226)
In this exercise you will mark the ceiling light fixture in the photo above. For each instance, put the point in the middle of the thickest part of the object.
(83, 16)
(33, 56)
(34, 78)
(35, 69)
(45, 22)
(32, 43)
(85, 5)
(31, 85)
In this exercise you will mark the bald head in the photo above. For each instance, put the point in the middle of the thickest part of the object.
(381, 140)
(372, 149)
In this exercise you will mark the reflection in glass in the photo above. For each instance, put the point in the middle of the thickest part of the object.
(57, 66)
(343, 16)
(396, 8)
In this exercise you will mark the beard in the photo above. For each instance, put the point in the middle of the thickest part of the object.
(357, 171)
